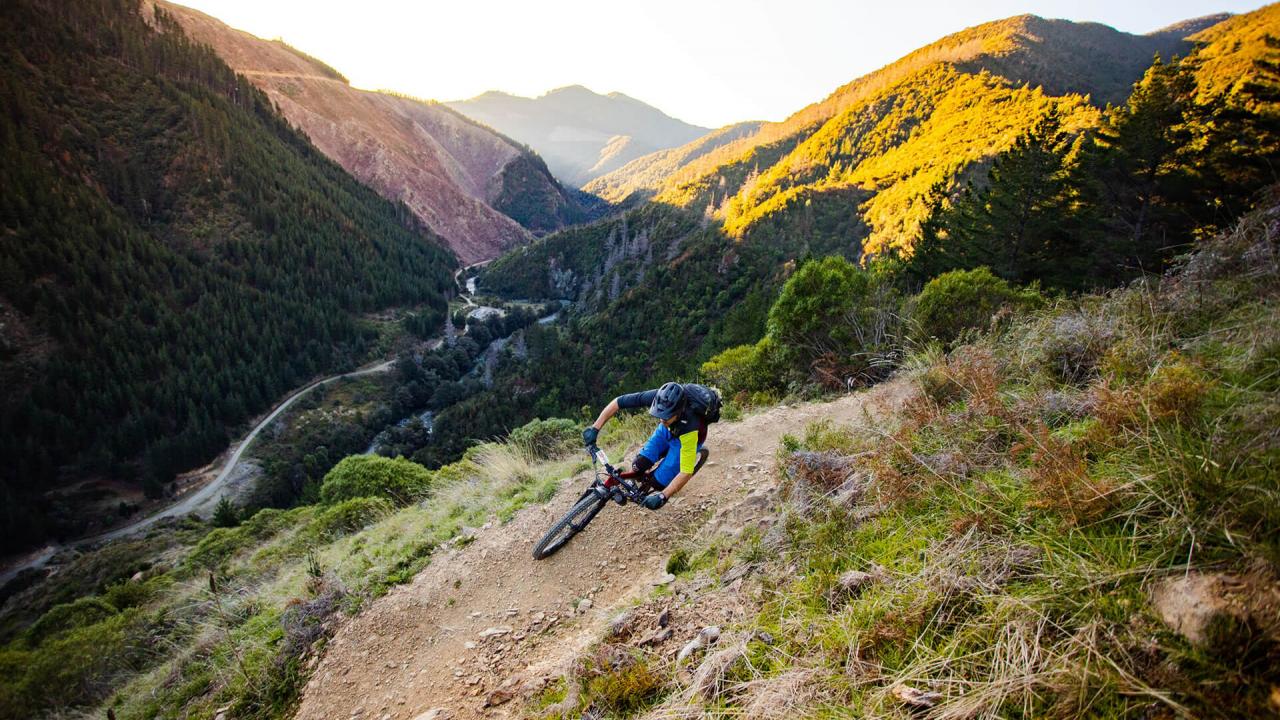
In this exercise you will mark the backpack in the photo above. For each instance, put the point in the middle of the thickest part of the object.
(704, 402)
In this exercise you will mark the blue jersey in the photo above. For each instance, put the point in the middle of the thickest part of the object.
(687, 433)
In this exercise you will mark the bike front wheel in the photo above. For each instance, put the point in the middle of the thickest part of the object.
(571, 524)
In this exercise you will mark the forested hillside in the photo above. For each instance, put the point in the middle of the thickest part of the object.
(933, 116)
(173, 258)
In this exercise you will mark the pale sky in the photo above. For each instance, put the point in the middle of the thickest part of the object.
(709, 62)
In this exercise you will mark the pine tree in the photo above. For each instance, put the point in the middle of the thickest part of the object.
(225, 514)
(1140, 171)
(1019, 224)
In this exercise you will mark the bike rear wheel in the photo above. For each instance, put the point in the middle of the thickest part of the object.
(571, 524)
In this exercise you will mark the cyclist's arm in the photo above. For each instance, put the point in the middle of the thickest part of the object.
(676, 483)
(609, 411)
(630, 401)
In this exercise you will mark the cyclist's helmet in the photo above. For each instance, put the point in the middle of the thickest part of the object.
(668, 402)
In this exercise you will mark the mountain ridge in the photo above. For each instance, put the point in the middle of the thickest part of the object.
(456, 175)
(1058, 57)
(580, 133)
(1024, 58)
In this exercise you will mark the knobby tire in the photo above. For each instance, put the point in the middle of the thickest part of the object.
(571, 524)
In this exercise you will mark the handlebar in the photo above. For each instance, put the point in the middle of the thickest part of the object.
(628, 487)
(597, 455)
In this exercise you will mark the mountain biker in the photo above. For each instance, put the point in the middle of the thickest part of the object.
(675, 447)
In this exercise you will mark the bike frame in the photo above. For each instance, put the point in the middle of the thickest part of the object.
(615, 484)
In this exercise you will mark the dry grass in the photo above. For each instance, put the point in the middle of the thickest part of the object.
(1060, 479)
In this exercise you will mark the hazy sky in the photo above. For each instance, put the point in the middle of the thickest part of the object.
(707, 62)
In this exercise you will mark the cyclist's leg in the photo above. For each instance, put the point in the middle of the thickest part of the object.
(669, 467)
(656, 446)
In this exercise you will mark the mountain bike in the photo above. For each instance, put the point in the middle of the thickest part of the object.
(610, 484)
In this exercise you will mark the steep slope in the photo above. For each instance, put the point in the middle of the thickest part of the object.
(581, 134)
(1229, 50)
(173, 257)
(956, 542)
(481, 624)
(477, 189)
(921, 120)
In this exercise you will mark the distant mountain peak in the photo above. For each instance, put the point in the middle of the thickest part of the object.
(1191, 26)
(578, 130)
(572, 90)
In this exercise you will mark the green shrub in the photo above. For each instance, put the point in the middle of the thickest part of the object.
(268, 521)
(823, 436)
(396, 479)
(351, 516)
(546, 439)
(678, 562)
(77, 667)
(812, 308)
(939, 386)
(1176, 390)
(68, 616)
(746, 369)
(838, 321)
(131, 593)
(219, 545)
(629, 688)
(225, 514)
(964, 299)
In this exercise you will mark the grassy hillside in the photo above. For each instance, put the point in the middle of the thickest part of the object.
(174, 257)
(1071, 515)
(1007, 542)
(194, 620)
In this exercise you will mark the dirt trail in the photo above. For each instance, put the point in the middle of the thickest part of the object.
(487, 613)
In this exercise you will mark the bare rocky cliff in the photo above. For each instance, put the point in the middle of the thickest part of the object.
(456, 175)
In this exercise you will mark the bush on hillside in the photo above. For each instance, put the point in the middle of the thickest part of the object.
(225, 514)
(813, 312)
(839, 321)
(396, 479)
(960, 300)
(545, 439)
(81, 612)
(351, 516)
(746, 369)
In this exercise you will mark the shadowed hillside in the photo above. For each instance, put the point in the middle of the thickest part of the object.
(174, 258)
(479, 190)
